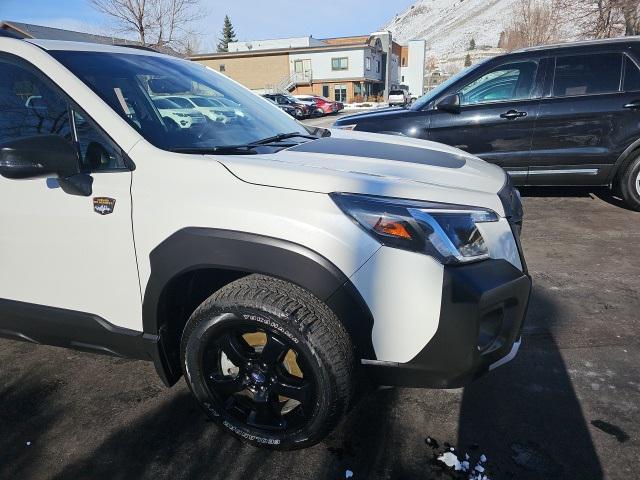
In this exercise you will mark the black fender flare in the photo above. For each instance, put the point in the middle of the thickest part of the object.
(195, 248)
(622, 161)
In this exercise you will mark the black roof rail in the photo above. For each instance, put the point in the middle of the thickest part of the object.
(137, 47)
(10, 34)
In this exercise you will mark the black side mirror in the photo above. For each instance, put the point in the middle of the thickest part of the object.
(450, 103)
(44, 156)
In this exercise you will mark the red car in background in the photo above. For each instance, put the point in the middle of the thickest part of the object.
(323, 103)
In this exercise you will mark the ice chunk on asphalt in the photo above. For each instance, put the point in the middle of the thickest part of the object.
(483, 458)
(450, 460)
(348, 474)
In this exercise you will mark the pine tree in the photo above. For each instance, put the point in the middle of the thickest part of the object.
(228, 35)
(467, 60)
(472, 44)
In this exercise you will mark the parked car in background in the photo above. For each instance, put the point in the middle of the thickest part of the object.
(285, 108)
(567, 114)
(399, 97)
(183, 117)
(302, 109)
(326, 105)
(312, 105)
(273, 265)
(216, 112)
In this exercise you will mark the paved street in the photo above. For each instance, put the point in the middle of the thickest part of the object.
(328, 120)
(566, 407)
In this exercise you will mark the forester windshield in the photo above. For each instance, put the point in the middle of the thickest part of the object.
(133, 84)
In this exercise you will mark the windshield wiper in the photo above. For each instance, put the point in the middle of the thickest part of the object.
(282, 136)
(247, 148)
(222, 150)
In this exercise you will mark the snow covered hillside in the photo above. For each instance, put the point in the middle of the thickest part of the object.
(449, 25)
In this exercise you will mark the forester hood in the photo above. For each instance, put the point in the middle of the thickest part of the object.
(375, 164)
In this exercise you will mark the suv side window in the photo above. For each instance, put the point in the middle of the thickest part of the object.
(32, 106)
(513, 81)
(97, 152)
(587, 74)
(29, 106)
(631, 76)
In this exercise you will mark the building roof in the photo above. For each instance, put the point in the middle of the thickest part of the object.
(28, 30)
(277, 51)
(346, 40)
(327, 44)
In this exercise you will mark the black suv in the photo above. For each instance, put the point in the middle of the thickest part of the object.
(556, 115)
(301, 110)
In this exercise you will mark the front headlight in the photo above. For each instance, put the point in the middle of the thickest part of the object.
(444, 231)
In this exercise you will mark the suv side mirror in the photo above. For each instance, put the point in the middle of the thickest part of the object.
(44, 156)
(450, 103)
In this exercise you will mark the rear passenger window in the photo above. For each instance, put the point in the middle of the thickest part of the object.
(631, 76)
(587, 74)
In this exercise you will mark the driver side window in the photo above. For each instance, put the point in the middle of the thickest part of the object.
(513, 81)
(31, 105)
(97, 153)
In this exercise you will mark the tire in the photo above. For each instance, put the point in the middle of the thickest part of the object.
(629, 184)
(237, 361)
(299, 113)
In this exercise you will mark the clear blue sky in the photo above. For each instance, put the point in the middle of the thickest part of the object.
(252, 19)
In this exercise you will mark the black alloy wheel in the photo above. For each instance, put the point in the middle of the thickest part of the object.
(269, 362)
(257, 376)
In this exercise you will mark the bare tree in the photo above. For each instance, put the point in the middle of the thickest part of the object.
(536, 22)
(155, 23)
(604, 18)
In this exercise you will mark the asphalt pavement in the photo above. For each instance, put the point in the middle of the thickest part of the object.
(566, 407)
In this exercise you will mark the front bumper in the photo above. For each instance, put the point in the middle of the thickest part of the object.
(482, 310)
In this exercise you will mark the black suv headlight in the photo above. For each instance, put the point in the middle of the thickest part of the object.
(444, 231)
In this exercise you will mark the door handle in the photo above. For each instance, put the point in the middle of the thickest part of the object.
(513, 114)
(633, 105)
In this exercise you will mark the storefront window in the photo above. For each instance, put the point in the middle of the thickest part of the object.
(340, 93)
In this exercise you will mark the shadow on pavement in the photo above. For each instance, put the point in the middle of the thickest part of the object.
(25, 410)
(177, 442)
(603, 193)
(526, 416)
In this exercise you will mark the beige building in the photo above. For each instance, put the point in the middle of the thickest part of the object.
(346, 69)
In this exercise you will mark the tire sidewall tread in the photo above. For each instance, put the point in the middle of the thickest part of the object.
(321, 337)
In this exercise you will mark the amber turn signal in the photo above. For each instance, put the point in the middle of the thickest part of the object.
(393, 228)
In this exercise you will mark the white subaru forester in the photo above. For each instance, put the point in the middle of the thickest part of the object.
(268, 262)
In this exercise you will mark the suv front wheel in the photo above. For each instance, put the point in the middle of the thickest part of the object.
(630, 184)
(269, 362)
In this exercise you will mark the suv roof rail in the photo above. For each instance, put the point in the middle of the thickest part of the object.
(632, 38)
(137, 47)
(9, 34)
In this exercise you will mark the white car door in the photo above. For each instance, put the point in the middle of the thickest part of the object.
(57, 249)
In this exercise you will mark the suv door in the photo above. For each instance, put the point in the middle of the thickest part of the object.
(59, 250)
(498, 108)
(580, 131)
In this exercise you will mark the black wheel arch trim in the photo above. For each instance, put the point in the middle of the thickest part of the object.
(623, 161)
(195, 248)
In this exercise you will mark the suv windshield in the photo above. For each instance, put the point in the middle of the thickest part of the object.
(132, 84)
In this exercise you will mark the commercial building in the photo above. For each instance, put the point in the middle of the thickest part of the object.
(346, 69)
